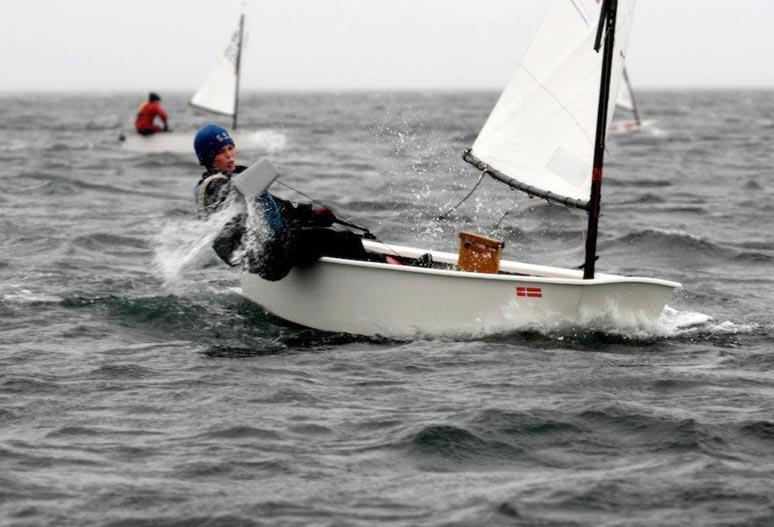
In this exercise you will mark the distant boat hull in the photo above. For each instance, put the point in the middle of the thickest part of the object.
(628, 126)
(367, 298)
(182, 142)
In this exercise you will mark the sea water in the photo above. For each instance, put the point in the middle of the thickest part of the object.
(137, 387)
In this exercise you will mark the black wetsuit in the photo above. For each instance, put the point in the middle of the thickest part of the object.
(297, 235)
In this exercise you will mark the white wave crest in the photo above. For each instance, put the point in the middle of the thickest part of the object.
(181, 245)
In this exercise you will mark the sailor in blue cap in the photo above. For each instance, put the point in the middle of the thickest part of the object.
(298, 234)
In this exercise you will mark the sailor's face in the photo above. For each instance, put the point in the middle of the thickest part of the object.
(225, 161)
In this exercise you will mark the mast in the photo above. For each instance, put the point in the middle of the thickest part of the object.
(607, 20)
(238, 64)
(631, 95)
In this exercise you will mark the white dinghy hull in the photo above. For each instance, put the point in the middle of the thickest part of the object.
(628, 126)
(367, 298)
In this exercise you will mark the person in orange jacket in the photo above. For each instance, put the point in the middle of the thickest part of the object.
(147, 113)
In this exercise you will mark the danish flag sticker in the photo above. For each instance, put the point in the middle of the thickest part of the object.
(530, 292)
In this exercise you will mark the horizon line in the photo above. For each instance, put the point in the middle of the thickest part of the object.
(456, 89)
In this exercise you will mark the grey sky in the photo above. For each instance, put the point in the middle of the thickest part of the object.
(358, 44)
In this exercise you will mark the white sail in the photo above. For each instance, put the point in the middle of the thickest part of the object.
(218, 93)
(541, 132)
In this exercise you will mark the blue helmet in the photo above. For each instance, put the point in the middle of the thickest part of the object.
(208, 142)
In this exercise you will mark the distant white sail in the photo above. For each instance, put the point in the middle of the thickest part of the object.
(219, 91)
(541, 132)
(216, 94)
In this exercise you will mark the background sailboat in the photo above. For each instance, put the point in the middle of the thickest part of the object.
(218, 94)
(627, 103)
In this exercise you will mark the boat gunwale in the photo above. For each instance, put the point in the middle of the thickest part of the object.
(600, 279)
(509, 268)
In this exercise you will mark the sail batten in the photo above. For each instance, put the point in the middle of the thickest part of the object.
(541, 131)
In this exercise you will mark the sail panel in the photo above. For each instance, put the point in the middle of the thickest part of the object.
(541, 131)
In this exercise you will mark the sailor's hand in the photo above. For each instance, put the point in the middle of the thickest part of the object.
(323, 216)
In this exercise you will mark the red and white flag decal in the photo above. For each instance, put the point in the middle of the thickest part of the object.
(532, 292)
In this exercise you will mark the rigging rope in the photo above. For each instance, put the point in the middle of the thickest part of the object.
(339, 218)
(499, 223)
(480, 179)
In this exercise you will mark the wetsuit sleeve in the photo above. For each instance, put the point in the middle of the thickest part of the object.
(304, 215)
(229, 240)
(163, 115)
(299, 213)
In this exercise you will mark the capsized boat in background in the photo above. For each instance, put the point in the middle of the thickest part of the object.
(546, 137)
(218, 94)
